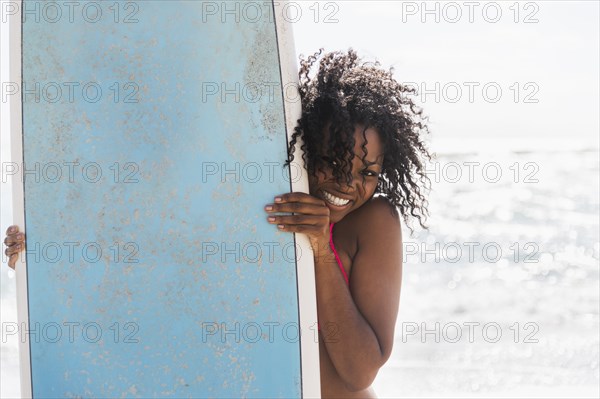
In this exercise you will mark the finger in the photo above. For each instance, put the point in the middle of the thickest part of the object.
(298, 197)
(12, 229)
(299, 207)
(12, 261)
(14, 238)
(13, 249)
(298, 228)
(298, 220)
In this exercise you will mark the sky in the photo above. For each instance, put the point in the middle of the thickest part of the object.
(554, 61)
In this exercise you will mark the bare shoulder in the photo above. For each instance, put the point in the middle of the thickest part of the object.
(376, 217)
(368, 226)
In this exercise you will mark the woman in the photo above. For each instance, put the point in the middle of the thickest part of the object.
(362, 136)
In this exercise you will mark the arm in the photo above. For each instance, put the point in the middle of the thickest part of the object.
(363, 316)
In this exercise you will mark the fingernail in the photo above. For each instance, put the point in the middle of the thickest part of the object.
(268, 208)
(277, 199)
(280, 226)
(271, 219)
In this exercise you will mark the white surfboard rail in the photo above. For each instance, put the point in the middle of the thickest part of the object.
(18, 206)
(311, 380)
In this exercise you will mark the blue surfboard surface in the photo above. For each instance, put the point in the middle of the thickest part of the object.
(153, 135)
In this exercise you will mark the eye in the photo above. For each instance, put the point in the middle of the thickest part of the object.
(370, 173)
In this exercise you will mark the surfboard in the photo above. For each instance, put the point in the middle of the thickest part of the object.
(149, 136)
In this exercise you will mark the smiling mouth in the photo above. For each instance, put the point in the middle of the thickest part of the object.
(334, 200)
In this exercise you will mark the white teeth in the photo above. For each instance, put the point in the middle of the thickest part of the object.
(335, 200)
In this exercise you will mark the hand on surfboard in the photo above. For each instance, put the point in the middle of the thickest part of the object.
(15, 242)
(310, 217)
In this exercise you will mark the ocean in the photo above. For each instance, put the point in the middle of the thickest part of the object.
(500, 297)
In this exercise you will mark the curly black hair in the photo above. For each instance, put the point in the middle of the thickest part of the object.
(346, 92)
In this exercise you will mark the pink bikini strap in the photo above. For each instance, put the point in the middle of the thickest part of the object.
(337, 257)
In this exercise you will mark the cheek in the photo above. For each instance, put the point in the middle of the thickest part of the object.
(370, 187)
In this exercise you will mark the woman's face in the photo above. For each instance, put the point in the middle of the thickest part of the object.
(343, 199)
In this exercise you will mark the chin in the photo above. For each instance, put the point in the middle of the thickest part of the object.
(336, 219)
